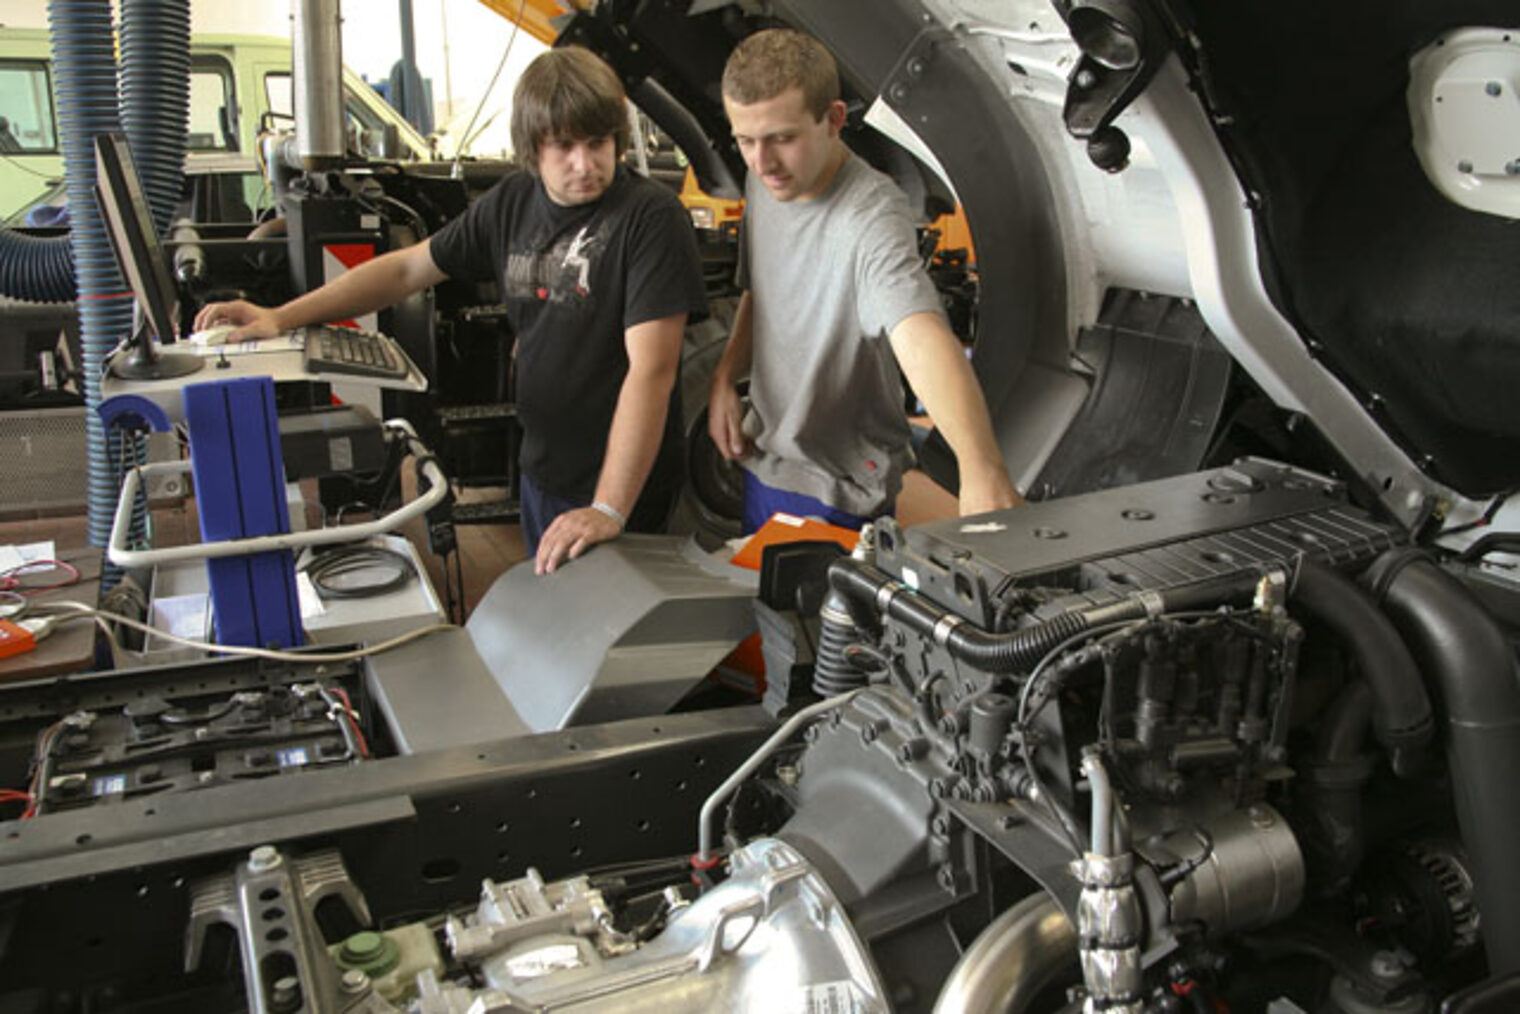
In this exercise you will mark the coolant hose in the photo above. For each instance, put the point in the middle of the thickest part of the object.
(1336, 780)
(1464, 652)
(1013, 960)
(1018, 650)
(1401, 717)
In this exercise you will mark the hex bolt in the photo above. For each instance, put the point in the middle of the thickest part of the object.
(1494, 89)
(1086, 79)
(355, 981)
(786, 774)
(912, 750)
(946, 877)
(1007, 822)
(263, 858)
(286, 994)
(940, 826)
(1464, 166)
(868, 732)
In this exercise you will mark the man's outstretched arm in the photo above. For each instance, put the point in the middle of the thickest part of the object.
(725, 413)
(633, 442)
(371, 286)
(931, 358)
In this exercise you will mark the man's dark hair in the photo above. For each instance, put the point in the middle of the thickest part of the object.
(567, 92)
(769, 62)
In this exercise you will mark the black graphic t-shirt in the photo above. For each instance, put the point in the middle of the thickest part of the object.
(573, 280)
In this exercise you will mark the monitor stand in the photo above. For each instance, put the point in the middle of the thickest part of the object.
(143, 363)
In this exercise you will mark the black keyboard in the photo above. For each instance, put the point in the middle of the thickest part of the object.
(359, 353)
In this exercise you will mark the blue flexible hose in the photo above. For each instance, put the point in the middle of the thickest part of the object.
(155, 97)
(84, 81)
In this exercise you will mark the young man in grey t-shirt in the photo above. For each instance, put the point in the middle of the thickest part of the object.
(833, 292)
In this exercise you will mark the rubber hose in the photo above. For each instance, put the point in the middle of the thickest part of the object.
(1465, 653)
(1401, 715)
(1009, 652)
(832, 671)
(1018, 650)
(84, 70)
(155, 98)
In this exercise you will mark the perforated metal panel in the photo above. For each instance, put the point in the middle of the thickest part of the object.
(43, 467)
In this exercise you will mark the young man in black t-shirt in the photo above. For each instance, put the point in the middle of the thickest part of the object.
(599, 271)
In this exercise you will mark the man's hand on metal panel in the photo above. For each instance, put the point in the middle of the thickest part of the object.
(571, 534)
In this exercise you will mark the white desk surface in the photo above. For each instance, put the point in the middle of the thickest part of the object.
(280, 358)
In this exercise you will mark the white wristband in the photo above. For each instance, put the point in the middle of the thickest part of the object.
(611, 511)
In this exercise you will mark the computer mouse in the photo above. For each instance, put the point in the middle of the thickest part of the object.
(214, 335)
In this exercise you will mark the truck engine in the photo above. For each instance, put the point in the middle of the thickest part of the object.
(1169, 747)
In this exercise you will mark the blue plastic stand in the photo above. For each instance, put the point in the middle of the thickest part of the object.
(240, 491)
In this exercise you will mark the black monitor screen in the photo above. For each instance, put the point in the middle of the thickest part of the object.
(141, 257)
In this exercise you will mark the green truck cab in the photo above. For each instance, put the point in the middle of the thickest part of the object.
(237, 84)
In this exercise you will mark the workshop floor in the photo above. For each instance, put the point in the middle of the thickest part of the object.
(486, 551)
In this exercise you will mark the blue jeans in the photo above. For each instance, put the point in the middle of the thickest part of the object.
(761, 501)
(538, 510)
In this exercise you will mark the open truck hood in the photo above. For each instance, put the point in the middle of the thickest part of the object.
(1279, 175)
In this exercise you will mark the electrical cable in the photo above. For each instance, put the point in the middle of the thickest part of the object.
(1483, 520)
(82, 610)
(466, 138)
(464, 606)
(1063, 818)
(343, 715)
(10, 580)
(338, 573)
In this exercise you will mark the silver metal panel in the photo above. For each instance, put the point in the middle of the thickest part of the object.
(42, 451)
(436, 692)
(624, 631)
(1061, 533)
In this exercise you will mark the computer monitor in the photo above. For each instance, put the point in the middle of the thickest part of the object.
(141, 257)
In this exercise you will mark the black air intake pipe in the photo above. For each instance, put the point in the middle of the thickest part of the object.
(1019, 650)
(1465, 654)
(1401, 717)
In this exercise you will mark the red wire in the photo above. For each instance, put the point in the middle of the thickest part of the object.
(10, 580)
(44, 746)
(16, 796)
(353, 723)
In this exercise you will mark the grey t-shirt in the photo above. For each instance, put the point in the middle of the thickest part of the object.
(829, 279)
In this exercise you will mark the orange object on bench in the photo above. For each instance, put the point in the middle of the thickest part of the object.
(15, 640)
(746, 661)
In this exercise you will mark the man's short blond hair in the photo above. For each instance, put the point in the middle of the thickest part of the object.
(567, 92)
(770, 62)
